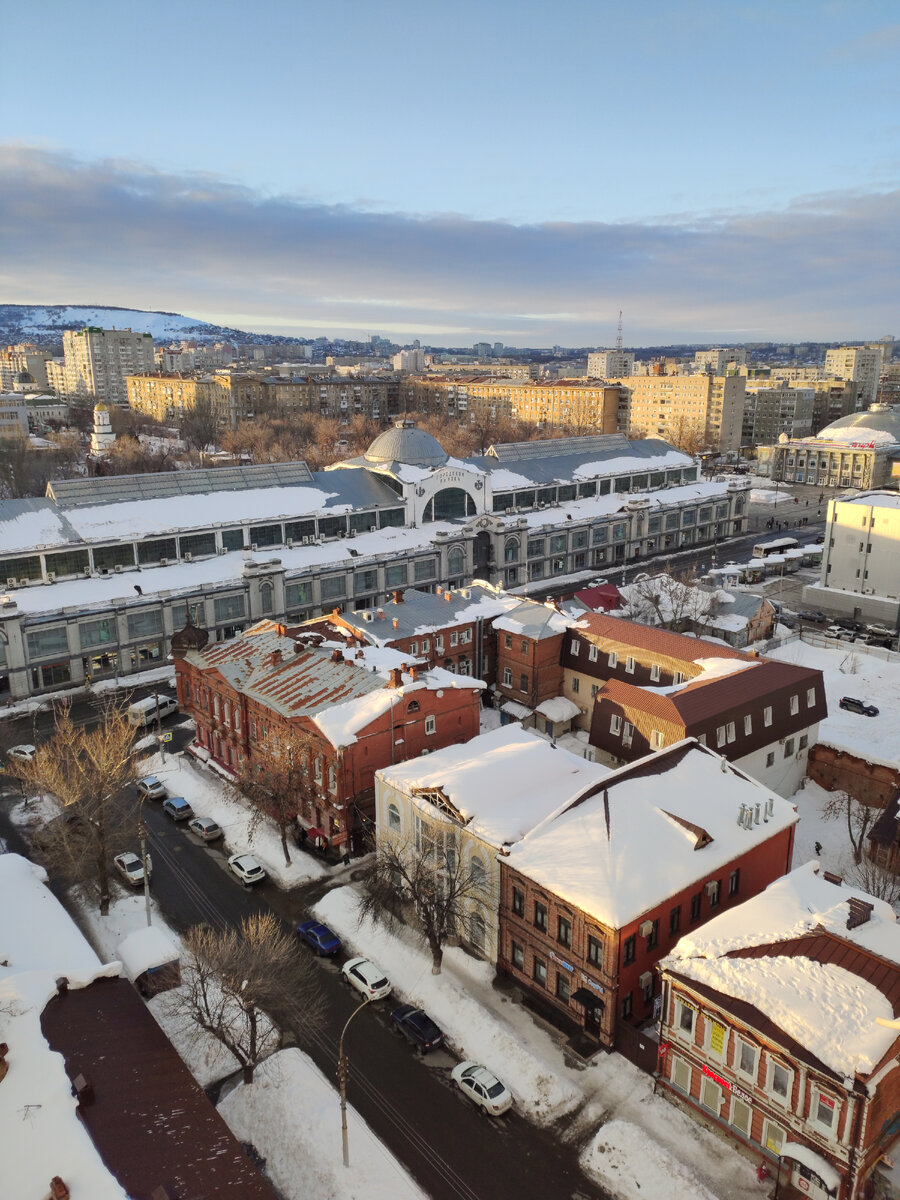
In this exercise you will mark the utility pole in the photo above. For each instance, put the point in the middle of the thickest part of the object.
(342, 1080)
(145, 861)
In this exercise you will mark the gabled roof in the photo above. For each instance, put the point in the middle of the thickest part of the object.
(533, 620)
(599, 627)
(422, 613)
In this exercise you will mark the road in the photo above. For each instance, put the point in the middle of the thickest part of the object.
(411, 1104)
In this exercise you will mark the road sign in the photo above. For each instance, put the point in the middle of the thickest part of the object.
(165, 737)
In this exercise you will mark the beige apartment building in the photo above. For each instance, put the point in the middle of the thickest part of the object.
(680, 408)
(860, 565)
(610, 364)
(98, 361)
(771, 409)
(862, 364)
(718, 361)
(16, 362)
(574, 402)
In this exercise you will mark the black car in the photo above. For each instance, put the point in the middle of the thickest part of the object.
(416, 1025)
(848, 623)
(812, 615)
(851, 704)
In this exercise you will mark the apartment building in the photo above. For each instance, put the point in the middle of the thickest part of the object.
(410, 361)
(610, 364)
(861, 364)
(25, 365)
(13, 417)
(770, 411)
(861, 561)
(717, 361)
(760, 1038)
(584, 404)
(98, 361)
(705, 409)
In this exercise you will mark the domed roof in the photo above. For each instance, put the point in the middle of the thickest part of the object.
(406, 443)
(880, 423)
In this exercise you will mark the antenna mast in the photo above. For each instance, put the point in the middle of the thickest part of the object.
(619, 332)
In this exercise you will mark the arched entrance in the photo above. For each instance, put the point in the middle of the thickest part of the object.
(482, 554)
(449, 504)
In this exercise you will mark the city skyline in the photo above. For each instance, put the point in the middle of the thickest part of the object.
(720, 174)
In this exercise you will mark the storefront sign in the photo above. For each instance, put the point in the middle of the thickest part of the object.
(716, 1078)
(663, 1049)
(741, 1094)
(562, 962)
(598, 987)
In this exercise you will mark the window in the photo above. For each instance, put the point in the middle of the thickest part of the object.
(507, 677)
(430, 725)
(593, 653)
(466, 636)
(626, 1008)
(741, 1114)
(518, 957)
(747, 1060)
(562, 987)
(767, 715)
(523, 683)
(748, 725)
(734, 881)
(518, 902)
(393, 817)
(564, 931)
(144, 624)
(824, 1109)
(729, 729)
(629, 665)
(803, 742)
(595, 951)
(681, 1075)
(685, 1016)
(318, 770)
(780, 1081)
(524, 646)
(656, 740)
(795, 705)
(439, 645)
(426, 645)
(540, 973)
(216, 708)
(42, 642)
(476, 930)
(695, 906)
(226, 608)
(674, 920)
(574, 647)
(540, 916)
(810, 697)
(576, 684)
(714, 891)
(454, 639)
(773, 1137)
(397, 575)
(770, 759)
(654, 673)
(627, 731)
(615, 724)
(710, 1095)
(613, 659)
(628, 947)
(479, 878)
(507, 641)
(653, 936)
(788, 747)
(595, 688)
(97, 633)
(413, 706)
(720, 735)
(678, 677)
(716, 1037)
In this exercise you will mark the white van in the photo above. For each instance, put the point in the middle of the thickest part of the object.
(144, 712)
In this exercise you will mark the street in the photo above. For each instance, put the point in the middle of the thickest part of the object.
(410, 1102)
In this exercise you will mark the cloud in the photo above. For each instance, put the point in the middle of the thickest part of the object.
(117, 232)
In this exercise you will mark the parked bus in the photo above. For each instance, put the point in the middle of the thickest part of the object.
(776, 546)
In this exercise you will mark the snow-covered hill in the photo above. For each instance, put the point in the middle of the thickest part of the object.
(46, 323)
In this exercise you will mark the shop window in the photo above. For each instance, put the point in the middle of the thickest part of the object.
(741, 1115)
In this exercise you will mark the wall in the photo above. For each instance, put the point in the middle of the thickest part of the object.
(836, 770)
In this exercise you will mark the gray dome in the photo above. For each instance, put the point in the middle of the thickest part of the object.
(880, 423)
(405, 443)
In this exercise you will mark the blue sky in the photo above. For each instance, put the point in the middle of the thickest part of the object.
(516, 171)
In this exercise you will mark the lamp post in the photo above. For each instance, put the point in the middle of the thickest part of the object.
(142, 832)
(342, 1080)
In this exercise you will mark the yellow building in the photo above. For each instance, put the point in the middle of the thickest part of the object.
(704, 409)
(575, 402)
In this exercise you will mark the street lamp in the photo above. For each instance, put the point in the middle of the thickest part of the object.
(342, 1079)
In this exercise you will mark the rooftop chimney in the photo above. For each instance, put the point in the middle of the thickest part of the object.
(404, 667)
(439, 591)
(860, 911)
(448, 596)
(336, 656)
(414, 672)
(398, 596)
(396, 679)
(275, 658)
(360, 654)
(58, 1190)
(381, 614)
(396, 623)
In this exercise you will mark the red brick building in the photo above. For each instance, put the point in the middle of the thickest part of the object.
(529, 644)
(594, 896)
(253, 693)
(780, 1025)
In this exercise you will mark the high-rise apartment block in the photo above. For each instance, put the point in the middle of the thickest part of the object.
(411, 361)
(862, 364)
(98, 360)
(718, 361)
(610, 364)
(696, 411)
(771, 409)
(23, 367)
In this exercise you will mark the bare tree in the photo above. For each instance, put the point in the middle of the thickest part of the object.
(428, 880)
(841, 806)
(278, 784)
(238, 982)
(686, 435)
(870, 876)
(671, 601)
(200, 424)
(86, 769)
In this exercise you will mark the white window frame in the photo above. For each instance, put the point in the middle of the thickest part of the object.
(678, 677)
(720, 735)
(777, 1144)
(393, 814)
(817, 1095)
(680, 1066)
(748, 1109)
(683, 1006)
(748, 724)
(615, 724)
(454, 639)
(574, 647)
(629, 665)
(708, 1085)
(613, 659)
(627, 733)
(810, 697)
(795, 705)
(426, 645)
(730, 731)
(332, 778)
(430, 725)
(767, 715)
(654, 672)
(439, 645)
(507, 676)
(593, 653)
(776, 1097)
(656, 740)
(414, 647)
(753, 1075)
(466, 636)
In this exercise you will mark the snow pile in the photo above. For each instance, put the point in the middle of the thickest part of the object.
(623, 1159)
(145, 949)
(291, 1114)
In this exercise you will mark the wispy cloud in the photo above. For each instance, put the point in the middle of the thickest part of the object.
(120, 233)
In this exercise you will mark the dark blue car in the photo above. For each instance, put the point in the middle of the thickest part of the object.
(416, 1025)
(320, 937)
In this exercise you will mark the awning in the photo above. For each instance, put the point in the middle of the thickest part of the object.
(809, 1158)
(514, 709)
(586, 997)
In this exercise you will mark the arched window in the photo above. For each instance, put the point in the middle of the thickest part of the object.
(477, 930)
(413, 706)
(393, 816)
(511, 550)
(456, 561)
(449, 503)
(265, 597)
(479, 878)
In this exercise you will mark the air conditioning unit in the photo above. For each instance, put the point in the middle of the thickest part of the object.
(426, 751)
(187, 556)
(118, 568)
(646, 928)
(51, 576)
(163, 562)
(307, 541)
(290, 543)
(373, 529)
(253, 547)
(11, 582)
(342, 533)
(87, 572)
(223, 550)
(645, 980)
(712, 888)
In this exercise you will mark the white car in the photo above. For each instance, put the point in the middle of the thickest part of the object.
(247, 869)
(366, 978)
(131, 868)
(24, 753)
(205, 828)
(151, 788)
(482, 1087)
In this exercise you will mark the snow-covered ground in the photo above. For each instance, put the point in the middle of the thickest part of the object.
(847, 672)
(245, 829)
(610, 1104)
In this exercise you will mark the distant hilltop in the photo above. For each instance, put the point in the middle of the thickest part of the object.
(45, 324)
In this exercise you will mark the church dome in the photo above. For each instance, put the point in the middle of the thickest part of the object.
(406, 443)
(879, 424)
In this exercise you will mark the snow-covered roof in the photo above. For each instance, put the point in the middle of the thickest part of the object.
(533, 620)
(656, 806)
(559, 708)
(145, 949)
(40, 1133)
(833, 1011)
(419, 613)
(502, 782)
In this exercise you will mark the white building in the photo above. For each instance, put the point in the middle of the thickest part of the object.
(717, 361)
(610, 364)
(861, 561)
(97, 361)
(479, 798)
(102, 437)
(412, 361)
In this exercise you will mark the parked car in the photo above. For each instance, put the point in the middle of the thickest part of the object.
(247, 869)
(368, 979)
(417, 1027)
(811, 614)
(205, 828)
(151, 788)
(848, 623)
(482, 1087)
(131, 868)
(24, 753)
(851, 704)
(320, 937)
(177, 808)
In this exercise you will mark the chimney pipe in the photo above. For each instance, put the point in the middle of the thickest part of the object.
(58, 1190)
(396, 623)
(336, 656)
(414, 672)
(396, 677)
(756, 819)
(741, 815)
(398, 596)
(275, 658)
(381, 614)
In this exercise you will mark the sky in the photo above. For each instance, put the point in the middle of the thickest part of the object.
(520, 171)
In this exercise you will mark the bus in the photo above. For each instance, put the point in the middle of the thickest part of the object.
(776, 546)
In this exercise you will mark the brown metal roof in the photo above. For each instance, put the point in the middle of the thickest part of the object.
(151, 1122)
(629, 695)
(657, 641)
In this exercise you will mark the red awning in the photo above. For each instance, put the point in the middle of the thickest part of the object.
(314, 832)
